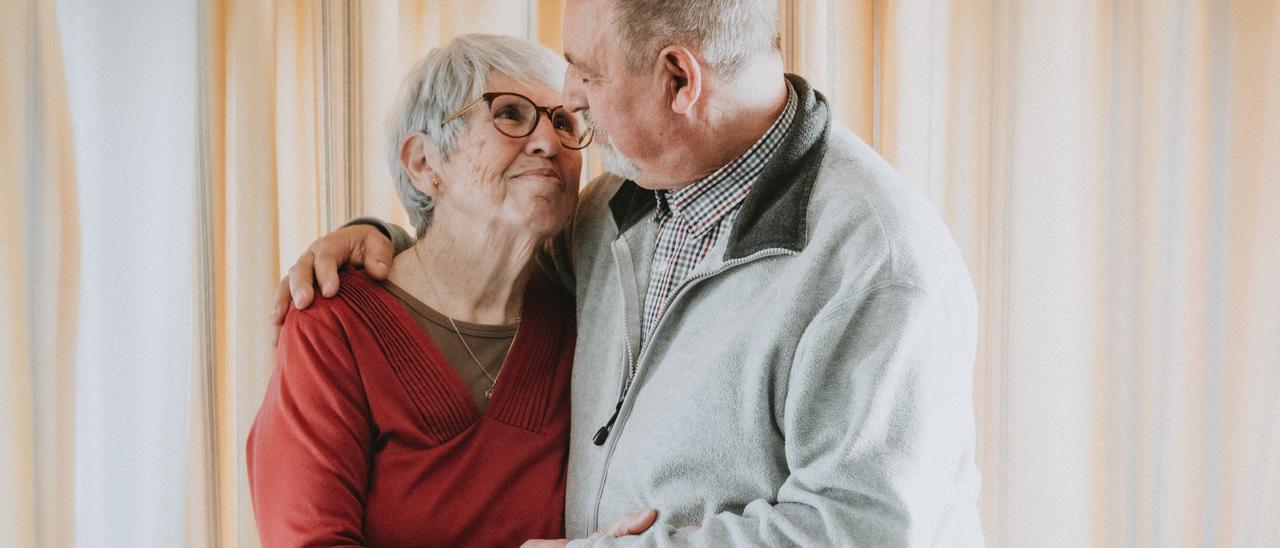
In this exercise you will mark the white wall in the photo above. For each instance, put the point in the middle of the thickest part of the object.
(131, 71)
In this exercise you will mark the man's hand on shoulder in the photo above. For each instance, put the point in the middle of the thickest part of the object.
(356, 245)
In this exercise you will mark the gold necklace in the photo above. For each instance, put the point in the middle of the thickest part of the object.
(493, 379)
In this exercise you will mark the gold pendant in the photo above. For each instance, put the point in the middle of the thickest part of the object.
(488, 392)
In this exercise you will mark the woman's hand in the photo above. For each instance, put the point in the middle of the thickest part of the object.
(628, 524)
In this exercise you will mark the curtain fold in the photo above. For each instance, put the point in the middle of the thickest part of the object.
(237, 256)
(39, 242)
(1109, 170)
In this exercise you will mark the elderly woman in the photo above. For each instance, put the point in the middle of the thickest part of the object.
(432, 409)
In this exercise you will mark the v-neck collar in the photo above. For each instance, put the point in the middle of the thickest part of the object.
(437, 318)
(434, 386)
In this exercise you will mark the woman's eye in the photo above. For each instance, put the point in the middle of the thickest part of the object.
(507, 113)
(564, 123)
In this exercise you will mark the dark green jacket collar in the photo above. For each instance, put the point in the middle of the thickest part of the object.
(774, 212)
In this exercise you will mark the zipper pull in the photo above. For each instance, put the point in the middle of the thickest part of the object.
(603, 433)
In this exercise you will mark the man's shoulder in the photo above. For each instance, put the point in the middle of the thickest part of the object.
(852, 171)
(869, 210)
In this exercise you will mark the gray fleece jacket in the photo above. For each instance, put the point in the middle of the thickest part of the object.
(810, 384)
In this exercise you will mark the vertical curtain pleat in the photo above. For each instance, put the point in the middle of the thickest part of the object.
(240, 261)
(39, 242)
(1244, 266)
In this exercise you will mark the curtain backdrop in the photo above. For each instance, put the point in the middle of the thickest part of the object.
(38, 271)
(1110, 169)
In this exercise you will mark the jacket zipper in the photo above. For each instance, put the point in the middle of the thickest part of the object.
(613, 430)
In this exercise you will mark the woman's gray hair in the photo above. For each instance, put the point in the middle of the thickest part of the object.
(446, 80)
(726, 32)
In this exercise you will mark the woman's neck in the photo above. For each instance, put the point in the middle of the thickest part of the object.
(477, 275)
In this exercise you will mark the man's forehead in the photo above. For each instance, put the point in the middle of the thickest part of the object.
(583, 33)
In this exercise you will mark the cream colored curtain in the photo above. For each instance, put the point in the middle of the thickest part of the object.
(1109, 169)
(39, 251)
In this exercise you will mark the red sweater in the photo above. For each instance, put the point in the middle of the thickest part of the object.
(367, 436)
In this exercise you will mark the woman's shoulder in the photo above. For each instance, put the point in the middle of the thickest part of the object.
(357, 293)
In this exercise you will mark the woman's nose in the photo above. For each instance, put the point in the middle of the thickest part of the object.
(544, 141)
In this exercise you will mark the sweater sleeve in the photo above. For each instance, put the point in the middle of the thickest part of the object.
(875, 441)
(309, 449)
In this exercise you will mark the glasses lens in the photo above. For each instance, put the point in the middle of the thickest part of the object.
(513, 115)
(572, 128)
(516, 116)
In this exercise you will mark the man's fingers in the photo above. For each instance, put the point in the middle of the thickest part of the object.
(558, 543)
(377, 252)
(301, 278)
(349, 245)
(632, 524)
(326, 269)
(642, 522)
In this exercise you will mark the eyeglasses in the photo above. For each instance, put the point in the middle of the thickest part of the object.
(516, 116)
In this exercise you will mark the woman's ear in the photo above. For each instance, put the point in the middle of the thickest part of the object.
(683, 73)
(420, 159)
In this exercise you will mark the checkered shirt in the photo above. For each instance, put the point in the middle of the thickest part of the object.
(691, 219)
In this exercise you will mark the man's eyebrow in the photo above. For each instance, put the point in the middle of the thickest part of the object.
(580, 65)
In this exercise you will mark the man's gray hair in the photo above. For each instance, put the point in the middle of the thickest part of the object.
(726, 32)
(446, 80)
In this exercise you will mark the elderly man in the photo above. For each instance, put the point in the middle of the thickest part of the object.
(776, 331)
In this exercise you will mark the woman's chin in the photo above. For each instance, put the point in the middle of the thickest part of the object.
(543, 221)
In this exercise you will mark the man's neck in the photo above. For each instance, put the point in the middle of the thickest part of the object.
(477, 275)
(737, 119)
(737, 128)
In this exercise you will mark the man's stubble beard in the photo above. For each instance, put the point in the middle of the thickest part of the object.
(617, 164)
(614, 161)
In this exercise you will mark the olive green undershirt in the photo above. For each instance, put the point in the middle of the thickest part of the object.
(489, 342)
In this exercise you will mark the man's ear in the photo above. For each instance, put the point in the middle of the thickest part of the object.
(683, 73)
(419, 158)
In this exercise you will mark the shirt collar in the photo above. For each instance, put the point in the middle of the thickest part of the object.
(775, 214)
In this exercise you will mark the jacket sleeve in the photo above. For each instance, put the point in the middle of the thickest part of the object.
(309, 449)
(879, 434)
